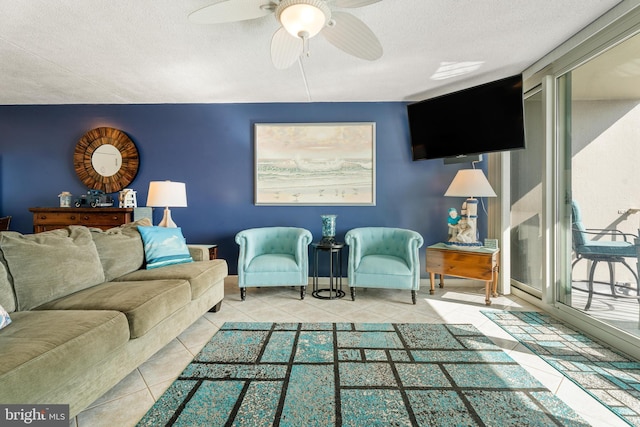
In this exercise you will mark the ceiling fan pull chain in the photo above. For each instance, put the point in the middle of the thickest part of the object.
(304, 79)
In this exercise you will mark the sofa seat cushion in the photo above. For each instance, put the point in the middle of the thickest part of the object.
(145, 303)
(201, 275)
(43, 348)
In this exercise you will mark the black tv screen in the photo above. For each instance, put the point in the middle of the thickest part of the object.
(481, 119)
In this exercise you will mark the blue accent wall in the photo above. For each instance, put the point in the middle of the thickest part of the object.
(210, 148)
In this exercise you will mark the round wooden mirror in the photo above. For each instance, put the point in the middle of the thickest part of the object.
(106, 159)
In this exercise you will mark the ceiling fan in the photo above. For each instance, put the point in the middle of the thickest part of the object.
(300, 20)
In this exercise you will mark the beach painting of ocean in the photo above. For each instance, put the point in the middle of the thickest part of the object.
(315, 164)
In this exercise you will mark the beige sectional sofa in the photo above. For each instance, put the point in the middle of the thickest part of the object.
(85, 312)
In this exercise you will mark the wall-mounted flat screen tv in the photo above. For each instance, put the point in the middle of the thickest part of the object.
(477, 120)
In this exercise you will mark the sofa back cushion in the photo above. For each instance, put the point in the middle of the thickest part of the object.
(120, 249)
(50, 265)
(7, 296)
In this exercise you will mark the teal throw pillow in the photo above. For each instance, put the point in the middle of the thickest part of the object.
(164, 246)
(4, 318)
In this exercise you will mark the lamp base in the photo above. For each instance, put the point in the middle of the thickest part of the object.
(166, 220)
(463, 230)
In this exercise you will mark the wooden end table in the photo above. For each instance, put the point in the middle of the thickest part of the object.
(478, 263)
(213, 249)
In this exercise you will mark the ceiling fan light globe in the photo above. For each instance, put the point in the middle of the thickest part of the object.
(303, 17)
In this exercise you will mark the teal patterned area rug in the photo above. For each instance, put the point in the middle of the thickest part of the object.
(344, 374)
(608, 376)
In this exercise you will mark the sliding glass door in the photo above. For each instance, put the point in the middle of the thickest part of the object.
(598, 114)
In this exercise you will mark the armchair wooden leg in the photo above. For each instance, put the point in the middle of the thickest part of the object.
(243, 293)
(413, 297)
(353, 294)
(303, 291)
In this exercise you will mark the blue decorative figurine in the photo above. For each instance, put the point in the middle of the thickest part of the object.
(452, 222)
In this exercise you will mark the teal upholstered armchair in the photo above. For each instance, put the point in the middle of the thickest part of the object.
(273, 256)
(382, 257)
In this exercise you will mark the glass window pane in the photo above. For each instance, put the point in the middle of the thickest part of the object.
(527, 202)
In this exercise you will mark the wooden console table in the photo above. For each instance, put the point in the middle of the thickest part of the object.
(469, 263)
(45, 219)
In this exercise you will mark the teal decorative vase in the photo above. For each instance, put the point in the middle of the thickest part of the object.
(328, 228)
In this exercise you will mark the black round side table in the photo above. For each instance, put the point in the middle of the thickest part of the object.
(335, 270)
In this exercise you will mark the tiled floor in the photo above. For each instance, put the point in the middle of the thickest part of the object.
(127, 402)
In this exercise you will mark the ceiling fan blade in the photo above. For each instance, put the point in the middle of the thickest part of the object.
(285, 49)
(354, 3)
(350, 34)
(232, 11)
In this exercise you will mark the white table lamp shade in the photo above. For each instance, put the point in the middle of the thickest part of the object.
(470, 183)
(167, 194)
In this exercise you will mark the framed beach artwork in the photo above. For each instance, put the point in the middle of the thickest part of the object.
(315, 164)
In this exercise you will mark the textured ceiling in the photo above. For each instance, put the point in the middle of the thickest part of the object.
(147, 51)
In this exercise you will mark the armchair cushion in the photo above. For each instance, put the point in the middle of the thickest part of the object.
(608, 248)
(385, 264)
(273, 263)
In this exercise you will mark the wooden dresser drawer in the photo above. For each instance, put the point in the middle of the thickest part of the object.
(45, 219)
(104, 219)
